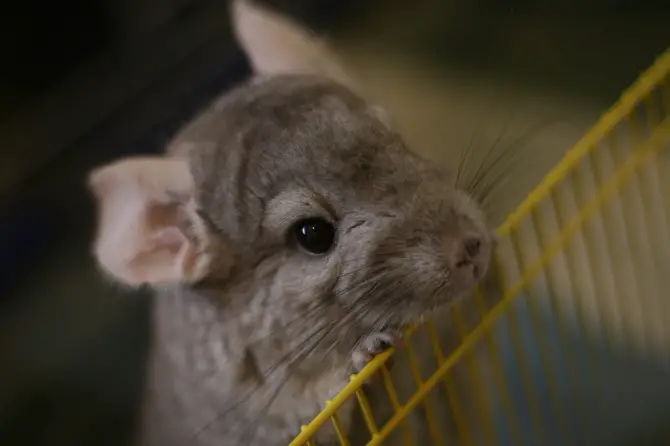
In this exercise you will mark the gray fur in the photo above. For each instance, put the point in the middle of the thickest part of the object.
(263, 156)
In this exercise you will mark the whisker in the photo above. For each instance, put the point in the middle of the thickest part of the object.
(497, 141)
(306, 352)
(248, 394)
(504, 155)
(321, 303)
(487, 186)
(460, 170)
(465, 162)
(283, 382)
(483, 180)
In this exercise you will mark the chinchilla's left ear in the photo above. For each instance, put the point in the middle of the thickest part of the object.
(147, 230)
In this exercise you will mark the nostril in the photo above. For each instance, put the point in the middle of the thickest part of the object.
(472, 246)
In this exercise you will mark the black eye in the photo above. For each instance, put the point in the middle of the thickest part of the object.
(314, 235)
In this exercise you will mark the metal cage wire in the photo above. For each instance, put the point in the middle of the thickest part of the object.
(581, 264)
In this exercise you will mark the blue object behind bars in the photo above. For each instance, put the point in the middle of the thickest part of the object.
(607, 398)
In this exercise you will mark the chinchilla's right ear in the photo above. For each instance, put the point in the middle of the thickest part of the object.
(275, 44)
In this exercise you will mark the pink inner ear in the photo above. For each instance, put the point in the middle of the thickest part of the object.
(146, 232)
(154, 261)
(171, 241)
(168, 239)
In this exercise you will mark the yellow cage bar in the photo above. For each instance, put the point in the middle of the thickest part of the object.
(578, 290)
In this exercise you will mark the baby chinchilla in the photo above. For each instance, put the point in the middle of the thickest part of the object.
(288, 234)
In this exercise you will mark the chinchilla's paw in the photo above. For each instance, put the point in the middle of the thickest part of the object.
(374, 344)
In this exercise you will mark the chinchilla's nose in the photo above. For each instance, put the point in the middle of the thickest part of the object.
(471, 246)
(465, 253)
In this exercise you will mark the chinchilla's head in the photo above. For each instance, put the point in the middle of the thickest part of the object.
(294, 178)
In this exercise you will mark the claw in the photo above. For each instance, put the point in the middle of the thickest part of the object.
(374, 344)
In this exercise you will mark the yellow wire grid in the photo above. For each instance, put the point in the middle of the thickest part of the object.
(576, 292)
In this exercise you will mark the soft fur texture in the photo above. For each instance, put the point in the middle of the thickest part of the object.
(253, 334)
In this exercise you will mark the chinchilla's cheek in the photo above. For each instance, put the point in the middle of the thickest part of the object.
(306, 278)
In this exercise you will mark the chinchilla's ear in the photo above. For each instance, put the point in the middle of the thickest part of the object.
(275, 44)
(147, 229)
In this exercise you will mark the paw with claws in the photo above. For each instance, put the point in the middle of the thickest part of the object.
(374, 344)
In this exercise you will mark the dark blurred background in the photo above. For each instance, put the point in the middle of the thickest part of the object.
(83, 82)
